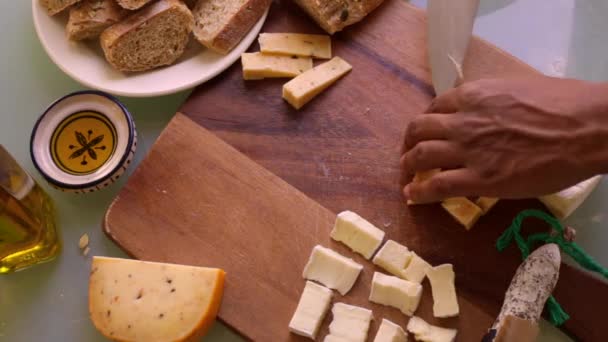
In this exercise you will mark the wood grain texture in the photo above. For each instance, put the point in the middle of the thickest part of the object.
(341, 150)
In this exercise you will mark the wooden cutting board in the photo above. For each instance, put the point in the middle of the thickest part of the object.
(257, 212)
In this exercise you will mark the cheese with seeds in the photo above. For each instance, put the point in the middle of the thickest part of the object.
(393, 257)
(445, 302)
(257, 66)
(357, 233)
(311, 310)
(300, 90)
(131, 300)
(390, 332)
(296, 44)
(425, 332)
(395, 292)
(463, 210)
(416, 270)
(349, 323)
(332, 269)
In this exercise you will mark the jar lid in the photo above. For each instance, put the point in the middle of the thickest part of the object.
(84, 141)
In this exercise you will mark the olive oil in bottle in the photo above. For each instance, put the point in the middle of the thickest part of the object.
(28, 233)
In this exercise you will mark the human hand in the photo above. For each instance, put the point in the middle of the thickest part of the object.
(508, 138)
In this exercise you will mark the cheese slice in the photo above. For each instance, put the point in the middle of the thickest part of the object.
(425, 332)
(357, 233)
(421, 177)
(332, 269)
(463, 210)
(445, 302)
(486, 203)
(350, 323)
(393, 257)
(311, 310)
(395, 292)
(390, 332)
(132, 300)
(306, 86)
(416, 270)
(565, 202)
(257, 66)
(296, 44)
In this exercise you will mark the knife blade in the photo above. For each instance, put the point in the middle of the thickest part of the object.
(450, 25)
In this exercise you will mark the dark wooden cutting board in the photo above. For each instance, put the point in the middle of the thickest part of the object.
(196, 200)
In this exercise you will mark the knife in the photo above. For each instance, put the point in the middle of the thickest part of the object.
(450, 26)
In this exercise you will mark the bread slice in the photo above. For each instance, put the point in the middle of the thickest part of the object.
(56, 6)
(155, 36)
(132, 4)
(91, 17)
(335, 15)
(221, 24)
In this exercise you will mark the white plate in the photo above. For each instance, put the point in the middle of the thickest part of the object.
(84, 62)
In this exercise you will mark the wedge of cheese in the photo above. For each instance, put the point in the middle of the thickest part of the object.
(390, 332)
(257, 66)
(305, 87)
(132, 300)
(445, 302)
(565, 202)
(425, 332)
(393, 258)
(311, 310)
(357, 233)
(395, 292)
(350, 323)
(463, 210)
(416, 270)
(486, 203)
(422, 176)
(332, 269)
(296, 44)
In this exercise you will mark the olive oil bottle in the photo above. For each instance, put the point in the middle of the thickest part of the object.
(28, 233)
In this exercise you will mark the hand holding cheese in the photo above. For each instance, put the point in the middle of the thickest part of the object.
(311, 310)
(332, 269)
(429, 333)
(395, 292)
(357, 233)
(132, 300)
(445, 302)
(350, 323)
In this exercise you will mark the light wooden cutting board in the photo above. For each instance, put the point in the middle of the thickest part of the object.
(257, 212)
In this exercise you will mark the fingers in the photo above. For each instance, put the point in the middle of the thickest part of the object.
(461, 98)
(448, 102)
(432, 154)
(451, 183)
(426, 127)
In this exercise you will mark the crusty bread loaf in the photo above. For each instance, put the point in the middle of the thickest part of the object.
(55, 6)
(91, 17)
(221, 24)
(132, 4)
(335, 15)
(155, 36)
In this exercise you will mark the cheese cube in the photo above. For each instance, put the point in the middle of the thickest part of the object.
(313, 305)
(257, 66)
(445, 302)
(425, 332)
(393, 257)
(395, 292)
(486, 203)
(350, 323)
(463, 210)
(390, 332)
(416, 270)
(305, 87)
(132, 300)
(357, 233)
(296, 44)
(332, 269)
(421, 177)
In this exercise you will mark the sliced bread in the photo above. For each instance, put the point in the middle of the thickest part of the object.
(221, 24)
(56, 6)
(155, 36)
(132, 4)
(91, 17)
(335, 15)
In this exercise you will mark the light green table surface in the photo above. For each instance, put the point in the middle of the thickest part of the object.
(49, 302)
